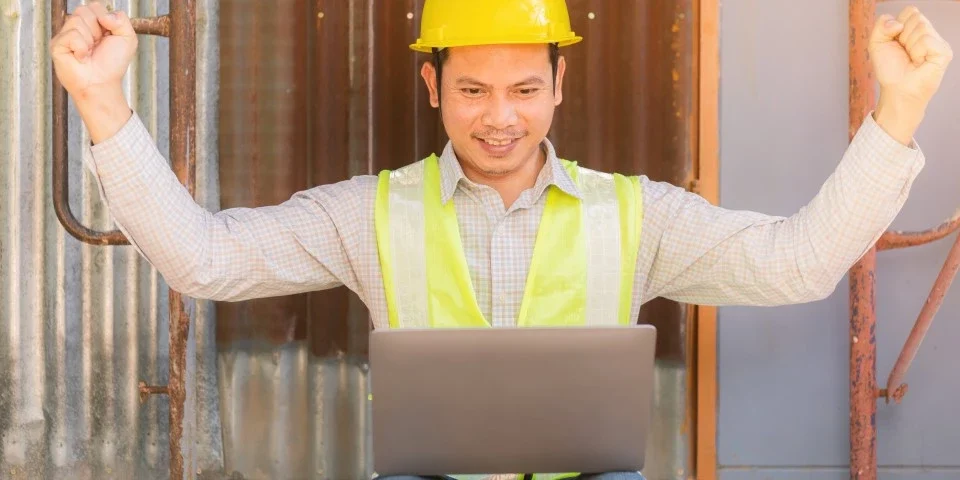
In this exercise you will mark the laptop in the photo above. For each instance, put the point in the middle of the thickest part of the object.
(511, 400)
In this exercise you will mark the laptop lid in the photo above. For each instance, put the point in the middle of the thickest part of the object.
(511, 400)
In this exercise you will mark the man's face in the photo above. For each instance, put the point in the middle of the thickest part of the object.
(497, 104)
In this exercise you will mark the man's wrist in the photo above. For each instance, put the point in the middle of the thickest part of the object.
(899, 117)
(104, 112)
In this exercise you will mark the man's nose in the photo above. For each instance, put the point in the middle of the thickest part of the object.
(500, 113)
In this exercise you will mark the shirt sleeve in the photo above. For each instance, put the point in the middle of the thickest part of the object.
(237, 253)
(695, 252)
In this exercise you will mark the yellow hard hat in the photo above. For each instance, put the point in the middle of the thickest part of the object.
(452, 23)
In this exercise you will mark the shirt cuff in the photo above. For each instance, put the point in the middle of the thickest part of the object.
(882, 158)
(125, 155)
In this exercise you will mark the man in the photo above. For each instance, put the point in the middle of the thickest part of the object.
(498, 230)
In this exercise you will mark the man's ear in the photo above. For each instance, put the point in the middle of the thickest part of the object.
(429, 74)
(558, 90)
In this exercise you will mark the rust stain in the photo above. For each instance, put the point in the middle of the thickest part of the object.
(179, 327)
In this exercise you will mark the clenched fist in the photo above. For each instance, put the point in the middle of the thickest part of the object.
(90, 55)
(909, 59)
(93, 49)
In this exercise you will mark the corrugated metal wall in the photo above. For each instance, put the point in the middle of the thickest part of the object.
(81, 325)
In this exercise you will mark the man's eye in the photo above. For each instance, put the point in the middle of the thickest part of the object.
(471, 91)
(527, 91)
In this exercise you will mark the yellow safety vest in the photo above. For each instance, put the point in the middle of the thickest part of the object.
(581, 272)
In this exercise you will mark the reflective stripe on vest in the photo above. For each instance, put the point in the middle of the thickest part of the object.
(581, 272)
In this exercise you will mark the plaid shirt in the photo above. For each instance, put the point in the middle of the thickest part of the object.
(691, 251)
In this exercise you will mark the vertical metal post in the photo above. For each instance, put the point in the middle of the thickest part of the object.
(863, 345)
(863, 359)
(183, 119)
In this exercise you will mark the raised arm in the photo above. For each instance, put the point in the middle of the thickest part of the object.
(704, 254)
(235, 254)
(710, 255)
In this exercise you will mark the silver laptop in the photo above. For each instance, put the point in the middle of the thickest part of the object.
(511, 400)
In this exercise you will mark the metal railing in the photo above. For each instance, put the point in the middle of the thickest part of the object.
(864, 391)
(180, 27)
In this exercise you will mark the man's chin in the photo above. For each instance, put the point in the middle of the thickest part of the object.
(496, 173)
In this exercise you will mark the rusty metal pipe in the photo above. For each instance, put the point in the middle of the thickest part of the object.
(158, 26)
(183, 123)
(147, 390)
(896, 239)
(863, 320)
(60, 173)
(939, 290)
(863, 360)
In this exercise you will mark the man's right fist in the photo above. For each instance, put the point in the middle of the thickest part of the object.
(92, 51)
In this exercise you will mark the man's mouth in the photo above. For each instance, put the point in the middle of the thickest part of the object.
(499, 142)
(497, 147)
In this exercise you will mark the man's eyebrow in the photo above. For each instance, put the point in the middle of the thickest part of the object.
(531, 80)
(470, 81)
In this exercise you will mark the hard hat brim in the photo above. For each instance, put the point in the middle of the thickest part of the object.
(427, 47)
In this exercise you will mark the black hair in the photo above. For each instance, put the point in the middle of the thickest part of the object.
(440, 56)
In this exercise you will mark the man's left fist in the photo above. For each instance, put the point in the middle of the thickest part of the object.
(909, 57)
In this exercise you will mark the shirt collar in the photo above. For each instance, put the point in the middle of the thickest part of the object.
(553, 173)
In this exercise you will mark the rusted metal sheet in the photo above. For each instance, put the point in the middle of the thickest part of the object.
(294, 114)
(263, 142)
(340, 147)
(400, 111)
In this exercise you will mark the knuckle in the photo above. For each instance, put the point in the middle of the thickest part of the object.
(908, 11)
